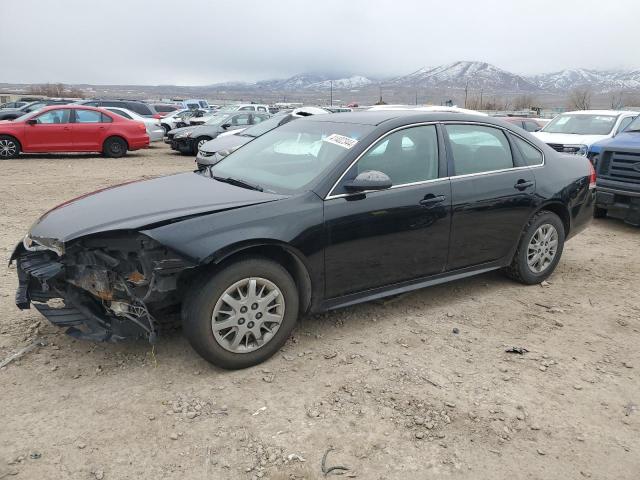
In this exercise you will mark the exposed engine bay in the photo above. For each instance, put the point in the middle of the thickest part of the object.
(104, 288)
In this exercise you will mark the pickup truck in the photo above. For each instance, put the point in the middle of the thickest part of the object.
(617, 164)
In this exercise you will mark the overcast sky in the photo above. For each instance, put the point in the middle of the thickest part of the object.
(195, 42)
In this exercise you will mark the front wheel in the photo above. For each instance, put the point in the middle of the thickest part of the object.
(114, 147)
(539, 249)
(242, 314)
(9, 147)
(199, 142)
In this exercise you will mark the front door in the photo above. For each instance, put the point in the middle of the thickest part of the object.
(380, 238)
(492, 195)
(50, 133)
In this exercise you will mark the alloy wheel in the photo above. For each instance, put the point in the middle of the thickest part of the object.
(542, 248)
(247, 315)
(8, 148)
(201, 143)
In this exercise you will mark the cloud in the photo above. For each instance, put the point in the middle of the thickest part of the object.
(191, 42)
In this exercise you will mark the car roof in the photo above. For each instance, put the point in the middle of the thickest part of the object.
(601, 112)
(71, 106)
(377, 117)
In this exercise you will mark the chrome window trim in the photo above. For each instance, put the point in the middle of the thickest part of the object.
(453, 177)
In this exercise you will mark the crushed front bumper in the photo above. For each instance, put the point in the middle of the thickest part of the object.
(96, 294)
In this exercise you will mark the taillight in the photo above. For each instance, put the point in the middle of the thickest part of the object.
(142, 127)
(592, 176)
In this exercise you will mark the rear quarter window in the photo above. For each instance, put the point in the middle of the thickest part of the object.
(531, 155)
(139, 108)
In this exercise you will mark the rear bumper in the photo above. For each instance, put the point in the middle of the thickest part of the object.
(621, 204)
(136, 143)
(156, 135)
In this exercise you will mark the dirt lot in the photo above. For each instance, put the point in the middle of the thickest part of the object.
(389, 385)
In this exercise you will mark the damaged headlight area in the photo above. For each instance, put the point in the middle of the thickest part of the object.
(103, 288)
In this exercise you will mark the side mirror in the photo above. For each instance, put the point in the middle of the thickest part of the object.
(369, 180)
(32, 121)
(226, 125)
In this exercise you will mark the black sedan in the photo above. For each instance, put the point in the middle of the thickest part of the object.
(188, 140)
(317, 214)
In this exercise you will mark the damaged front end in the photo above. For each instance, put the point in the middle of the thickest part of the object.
(101, 288)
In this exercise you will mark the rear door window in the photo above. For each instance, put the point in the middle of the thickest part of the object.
(477, 149)
(88, 116)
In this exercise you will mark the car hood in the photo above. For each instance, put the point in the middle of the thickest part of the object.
(225, 143)
(626, 140)
(143, 203)
(569, 138)
(181, 130)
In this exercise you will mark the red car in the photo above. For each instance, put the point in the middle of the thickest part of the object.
(71, 128)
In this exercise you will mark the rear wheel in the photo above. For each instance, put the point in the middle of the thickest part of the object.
(167, 129)
(114, 147)
(242, 314)
(9, 147)
(539, 249)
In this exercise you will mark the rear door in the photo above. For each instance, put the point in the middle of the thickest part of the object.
(89, 130)
(51, 133)
(493, 194)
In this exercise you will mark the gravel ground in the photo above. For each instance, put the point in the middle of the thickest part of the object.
(389, 385)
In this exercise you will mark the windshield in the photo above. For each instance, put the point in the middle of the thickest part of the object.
(634, 126)
(228, 108)
(290, 158)
(216, 119)
(264, 127)
(581, 124)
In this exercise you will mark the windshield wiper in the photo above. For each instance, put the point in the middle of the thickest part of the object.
(239, 183)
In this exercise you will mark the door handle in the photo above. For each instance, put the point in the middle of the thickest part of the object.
(431, 200)
(523, 184)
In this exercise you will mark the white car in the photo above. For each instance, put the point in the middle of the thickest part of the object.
(252, 107)
(575, 132)
(154, 129)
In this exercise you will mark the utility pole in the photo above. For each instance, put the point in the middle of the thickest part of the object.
(416, 96)
(466, 93)
(331, 94)
(480, 100)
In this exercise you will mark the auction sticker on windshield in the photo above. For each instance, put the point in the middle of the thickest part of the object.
(340, 140)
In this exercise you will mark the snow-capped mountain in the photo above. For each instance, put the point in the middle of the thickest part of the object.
(458, 74)
(314, 81)
(356, 81)
(601, 80)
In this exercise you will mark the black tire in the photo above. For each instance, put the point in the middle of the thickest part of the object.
(519, 269)
(197, 141)
(114, 147)
(599, 212)
(199, 305)
(9, 147)
(167, 129)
